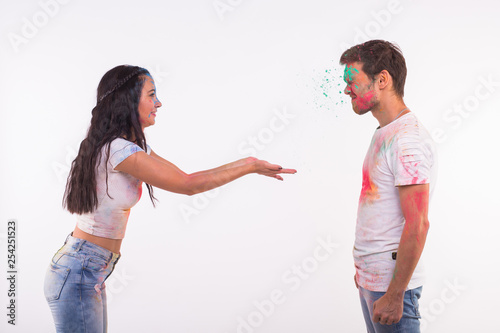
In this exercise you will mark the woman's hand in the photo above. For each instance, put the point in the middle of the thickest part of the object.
(271, 170)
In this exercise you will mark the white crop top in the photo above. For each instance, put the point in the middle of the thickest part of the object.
(110, 218)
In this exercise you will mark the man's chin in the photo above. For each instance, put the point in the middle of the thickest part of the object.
(361, 112)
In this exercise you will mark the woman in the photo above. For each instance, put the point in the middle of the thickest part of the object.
(105, 181)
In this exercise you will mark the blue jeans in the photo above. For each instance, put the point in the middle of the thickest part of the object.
(409, 323)
(74, 286)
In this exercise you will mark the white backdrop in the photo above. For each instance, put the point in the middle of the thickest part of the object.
(241, 77)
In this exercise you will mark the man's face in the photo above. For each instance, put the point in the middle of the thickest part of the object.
(360, 87)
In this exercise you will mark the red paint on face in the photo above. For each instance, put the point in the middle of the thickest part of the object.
(364, 102)
(360, 88)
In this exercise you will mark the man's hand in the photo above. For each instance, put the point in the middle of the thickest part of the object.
(388, 310)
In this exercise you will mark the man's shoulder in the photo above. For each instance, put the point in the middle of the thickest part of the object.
(412, 139)
(409, 127)
(406, 122)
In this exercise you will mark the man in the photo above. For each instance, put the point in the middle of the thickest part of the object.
(398, 172)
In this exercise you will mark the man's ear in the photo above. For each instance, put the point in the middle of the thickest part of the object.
(384, 79)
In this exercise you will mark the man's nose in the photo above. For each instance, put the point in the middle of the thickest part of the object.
(347, 90)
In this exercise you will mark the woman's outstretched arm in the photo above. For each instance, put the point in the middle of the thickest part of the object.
(158, 172)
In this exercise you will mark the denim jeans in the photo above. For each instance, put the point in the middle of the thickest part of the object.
(74, 286)
(409, 323)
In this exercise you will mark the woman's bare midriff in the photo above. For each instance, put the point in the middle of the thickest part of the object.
(112, 245)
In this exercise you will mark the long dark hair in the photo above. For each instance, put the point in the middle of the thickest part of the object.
(116, 115)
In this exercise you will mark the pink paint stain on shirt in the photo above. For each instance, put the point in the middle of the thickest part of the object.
(410, 168)
(369, 191)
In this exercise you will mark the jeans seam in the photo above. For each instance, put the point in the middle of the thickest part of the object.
(413, 303)
(417, 310)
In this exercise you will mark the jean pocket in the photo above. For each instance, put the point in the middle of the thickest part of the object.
(96, 264)
(55, 279)
(415, 296)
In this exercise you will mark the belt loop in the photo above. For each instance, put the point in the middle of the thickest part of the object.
(80, 244)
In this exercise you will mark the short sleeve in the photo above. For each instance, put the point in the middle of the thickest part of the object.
(120, 149)
(412, 159)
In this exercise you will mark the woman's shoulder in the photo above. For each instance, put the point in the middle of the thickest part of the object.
(120, 144)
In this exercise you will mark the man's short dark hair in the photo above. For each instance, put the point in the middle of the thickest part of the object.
(377, 55)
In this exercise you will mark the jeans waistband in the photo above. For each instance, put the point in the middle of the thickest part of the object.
(78, 244)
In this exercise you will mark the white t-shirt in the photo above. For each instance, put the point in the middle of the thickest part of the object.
(111, 216)
(401, 153)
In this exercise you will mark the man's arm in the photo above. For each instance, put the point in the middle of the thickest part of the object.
(414, 204)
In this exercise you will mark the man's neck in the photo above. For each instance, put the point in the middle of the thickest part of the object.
(389, 111)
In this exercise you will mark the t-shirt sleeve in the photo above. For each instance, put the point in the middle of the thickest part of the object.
(412, 160)
(120, 149)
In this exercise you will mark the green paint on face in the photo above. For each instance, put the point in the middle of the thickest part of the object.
(350, 73)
